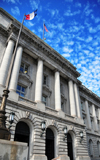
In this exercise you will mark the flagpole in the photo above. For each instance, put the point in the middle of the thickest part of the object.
(4, 132)
(43, 31)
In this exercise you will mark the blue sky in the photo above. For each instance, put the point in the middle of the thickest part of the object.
(74, 31)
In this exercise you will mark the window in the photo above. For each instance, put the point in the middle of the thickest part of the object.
(90, 109)
(91, 123)
(82, 105)
(62, 106)
(45, 80)
(44, 100)
(61, 88)
(98, 146)
(84, 120)
(21, 90)
(91, 147)
(98, 123)
(96, 112)
(24, 68)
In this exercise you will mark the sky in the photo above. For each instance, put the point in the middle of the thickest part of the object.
(74, 31)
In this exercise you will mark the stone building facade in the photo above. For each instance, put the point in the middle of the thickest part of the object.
(44, 90)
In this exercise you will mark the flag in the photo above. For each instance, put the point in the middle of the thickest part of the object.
(31, 15)
(45, 28)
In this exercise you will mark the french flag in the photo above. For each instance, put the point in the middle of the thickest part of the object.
(31, 15)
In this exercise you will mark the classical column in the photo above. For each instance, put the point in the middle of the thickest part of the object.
(6, 62)
(88, 115)
(16, 67)
(72, 98)
(39, 81)
(95, 119)
(57, 91)
(77, 100)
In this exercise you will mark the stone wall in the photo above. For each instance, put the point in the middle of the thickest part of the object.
(13, 150)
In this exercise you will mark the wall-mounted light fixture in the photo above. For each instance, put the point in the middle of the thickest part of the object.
(11, 119)
(81, 136)
(65, 133)
(43, 127)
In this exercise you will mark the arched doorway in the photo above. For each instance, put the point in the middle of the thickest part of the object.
(22, 132)
(49, 144)
(70, 146)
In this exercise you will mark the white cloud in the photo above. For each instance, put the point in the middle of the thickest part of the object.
(13, 1)
(97, 20)
(66, 55)
(15, 10)
(86, 51)
(70, 43)
(60, 25)
(92, 30)
(34, 4)
(89, 39)
(69, 13)
(66, 49)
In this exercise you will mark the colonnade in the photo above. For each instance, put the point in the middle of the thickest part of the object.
(94, 116)
(74, 97)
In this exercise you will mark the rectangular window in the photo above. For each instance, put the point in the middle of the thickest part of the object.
(82, 105)
(24, 68)
(62, 106)
(45, 80)
(44, 100)
(92, 123)
(21, 90)
(61, 88)
(84, 120)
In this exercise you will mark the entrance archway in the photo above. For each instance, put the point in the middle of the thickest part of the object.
(22, 132)
(70, 146)
(49, 144)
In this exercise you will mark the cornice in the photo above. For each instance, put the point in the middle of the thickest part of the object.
(89, 95)
(34, 110)
(41, 44)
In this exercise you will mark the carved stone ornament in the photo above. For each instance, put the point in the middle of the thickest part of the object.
(27, 114)
(54, 123)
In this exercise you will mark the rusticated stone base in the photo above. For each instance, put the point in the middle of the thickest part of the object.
(62, 157)
(39, 157)
(83, 158)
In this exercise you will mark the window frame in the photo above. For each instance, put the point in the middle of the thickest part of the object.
(24, 66)
(45, 102)
(20, 91)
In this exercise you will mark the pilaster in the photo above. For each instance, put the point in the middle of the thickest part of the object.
(72, 98)
(6, 62)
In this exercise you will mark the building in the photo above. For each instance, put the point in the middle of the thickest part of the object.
(44, 90)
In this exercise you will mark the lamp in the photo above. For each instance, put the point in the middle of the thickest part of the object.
(81, 136)
(65, 132)
(11, 119)
(43, 126)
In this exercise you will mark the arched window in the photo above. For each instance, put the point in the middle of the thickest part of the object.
(22, 132)
(70, 146)
(98, 147)
(49, 144)
(91, 148)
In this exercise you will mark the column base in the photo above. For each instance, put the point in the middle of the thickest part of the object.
(40, 105)
(61, 113)
(13, 95)
(79, 120)
(83, 158)
(62, 157)
(39, 157)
